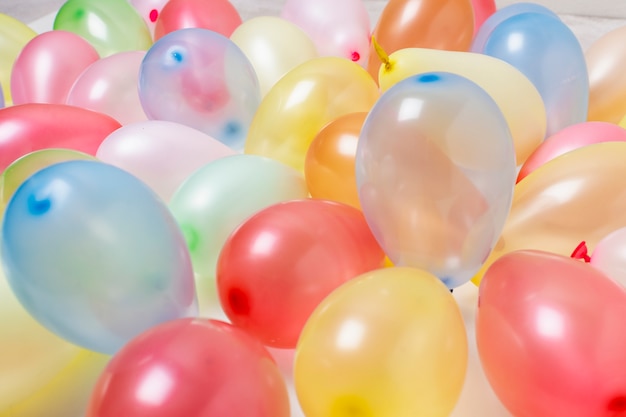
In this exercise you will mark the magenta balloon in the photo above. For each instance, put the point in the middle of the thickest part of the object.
(110, 86)
(48, 66)
(161, 153)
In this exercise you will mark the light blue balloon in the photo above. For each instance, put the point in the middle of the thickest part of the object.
(94, 255)
(1, 97)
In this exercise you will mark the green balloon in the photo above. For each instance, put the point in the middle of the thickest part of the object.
(110, 26)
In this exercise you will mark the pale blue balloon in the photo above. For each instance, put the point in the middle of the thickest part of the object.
(94, 255)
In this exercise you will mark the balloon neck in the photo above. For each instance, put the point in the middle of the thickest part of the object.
(382, 55)
(581, 252)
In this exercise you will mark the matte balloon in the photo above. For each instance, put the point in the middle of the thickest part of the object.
(578, 196)
(550, 334)
(337, 28)
(110, 26)
(94, 255)
(109, 86)
(431, 24)
(279, 264)
(518, 99)
(217, 198)
(303, 102)
(483, 9)
(570, 138)
(201, 79)
(219, 16)
(33, 126)
(435, 170)
(390, 342)
(149, 10)
(48, 66)
(14, 35)
(609, 255)
(161, 154)
(201, 368)
(329, 168)
(274, 47)
(547, 51)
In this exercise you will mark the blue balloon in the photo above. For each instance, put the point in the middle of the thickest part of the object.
(94, 255)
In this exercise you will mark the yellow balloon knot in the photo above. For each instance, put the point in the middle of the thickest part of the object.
(382, 55)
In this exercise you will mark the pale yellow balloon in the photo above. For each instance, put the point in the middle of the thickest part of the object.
(516, 96)
(390, 343)
(305, 100)
(14, 35)
(274, 46)
(622, 122)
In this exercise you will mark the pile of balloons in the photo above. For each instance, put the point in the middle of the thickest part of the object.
(310, 214)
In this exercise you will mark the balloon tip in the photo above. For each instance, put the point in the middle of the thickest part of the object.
(382, 55)
(581, 252)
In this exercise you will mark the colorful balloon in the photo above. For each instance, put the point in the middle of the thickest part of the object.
(274, 47)
(303, 102)
(48, 66)
(149, 10)
(279, 264)
(14, 35)
(110, 26)
(94, 255)
(201, 79)
(550, 334)
(435, 170)
(219, 16)
(483, 9)
(33, 126)
(390, 342)
(191, 368)
(609, 255)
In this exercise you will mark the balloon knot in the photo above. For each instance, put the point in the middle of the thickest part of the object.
(382, 55)
(581, 252)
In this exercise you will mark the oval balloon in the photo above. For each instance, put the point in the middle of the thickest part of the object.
(435, 195)
(218, 16)
(542, 321)
(149, 10)
(305, 100)
(94, 255)
(14, 36)
(609, 255)
(48, 66)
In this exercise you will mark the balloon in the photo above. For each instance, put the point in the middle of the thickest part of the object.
(94, 255)
(578, 196)
(109, 86)
(433, 24)
(570, 138)
(330, 161)
(435, 171)
(274, 47)
(14, 35)
(279, 264)
(518, 99)
(217, 198)
(338, 28)
(605, 60)
(1, 98)
(549, 54)
(219, 16)
(30, 127)
(47, 67)
(161, 154)
(391, 342)
(202, 368)
(201, 79)
(550, 333)
(482, 10)
(609, 255)
(110, 26)
(149, 10)
(305, 100)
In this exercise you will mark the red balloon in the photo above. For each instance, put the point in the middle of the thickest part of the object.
(191, 367)
(280, 263)
(217, 15)
(551, 336)
(482, 10)
(33, 126)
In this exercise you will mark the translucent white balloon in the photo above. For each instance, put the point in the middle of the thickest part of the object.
(609, 256)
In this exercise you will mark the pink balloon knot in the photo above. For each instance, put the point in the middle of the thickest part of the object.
(154, 14)
(355, 56)
(581, 252)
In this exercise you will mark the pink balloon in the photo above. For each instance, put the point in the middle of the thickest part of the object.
(482, 10)
(150, 10)
(609, 256)
(570, 138)
(160, 153)
(33, 126)
(110, 86)
(48, 65)
(551, 336)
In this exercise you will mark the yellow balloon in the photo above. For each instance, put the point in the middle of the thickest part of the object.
(14, 35)
(305, 100)
(516, 96)
(390, 343)
(622, 122)
(578, 196)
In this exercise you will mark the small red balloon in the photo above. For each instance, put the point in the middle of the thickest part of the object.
(217, 15)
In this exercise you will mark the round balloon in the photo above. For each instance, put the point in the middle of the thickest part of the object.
(14, 36)
(218, 16)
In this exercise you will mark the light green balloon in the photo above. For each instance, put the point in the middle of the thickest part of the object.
(217, 198)
(110, 26)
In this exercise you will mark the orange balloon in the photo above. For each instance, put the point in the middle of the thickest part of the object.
(578, 196)
(329, 167)
(436, 24)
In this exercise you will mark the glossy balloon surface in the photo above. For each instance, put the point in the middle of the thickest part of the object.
(14, 36)
(218, 16)
(609, 255)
